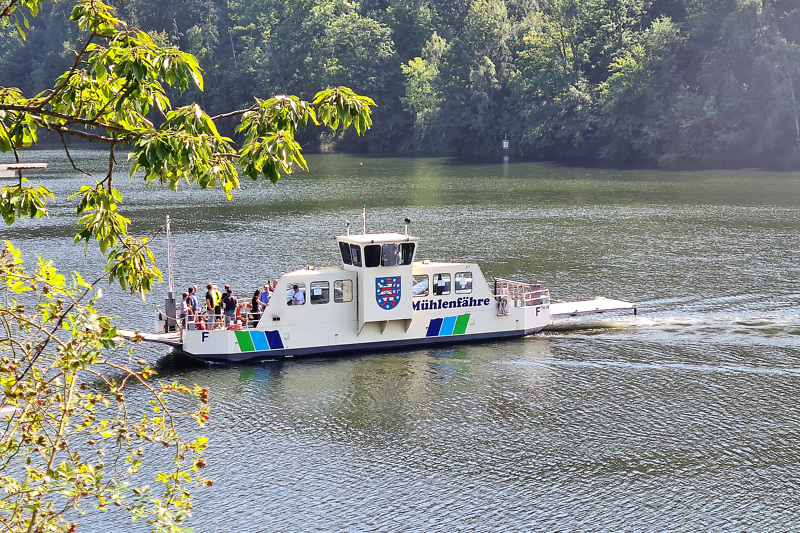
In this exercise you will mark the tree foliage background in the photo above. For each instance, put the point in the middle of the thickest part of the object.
(675, 81)
(69, 440)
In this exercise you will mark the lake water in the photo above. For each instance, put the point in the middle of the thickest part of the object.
(683, 418)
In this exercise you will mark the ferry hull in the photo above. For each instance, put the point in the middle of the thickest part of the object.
(347, 349)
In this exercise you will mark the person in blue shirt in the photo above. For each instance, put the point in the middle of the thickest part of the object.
(192, 301)
(266, 294)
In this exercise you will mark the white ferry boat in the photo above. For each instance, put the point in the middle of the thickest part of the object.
(379, 298)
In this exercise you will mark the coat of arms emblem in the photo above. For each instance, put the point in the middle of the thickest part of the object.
(387, 292)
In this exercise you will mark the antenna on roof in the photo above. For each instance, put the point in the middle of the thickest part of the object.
(347, 227)
(364, 217)
(406, 222)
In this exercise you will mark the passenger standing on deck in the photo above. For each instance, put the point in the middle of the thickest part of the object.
(193, 305)
(210, 305)
(256, 306)
(193, 294)
(225, 306)
(186, 310)
(230, 302)
(225, 291)
(234, 305)
(217, 306)
(263, 298)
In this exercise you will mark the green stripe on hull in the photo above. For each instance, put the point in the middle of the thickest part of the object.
(461, 324)
(245, 342)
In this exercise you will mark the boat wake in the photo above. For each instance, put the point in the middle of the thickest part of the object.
(590, 324)
(669, 366)
(736, 324)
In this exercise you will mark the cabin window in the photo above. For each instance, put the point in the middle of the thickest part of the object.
(406, 254)
(372, 255)
(389, 255)
(463, 282)
(296, 297)
(320, 292)
(343, 291)
(355, 253)
(441, 284)
(420, 286)
(347, 259)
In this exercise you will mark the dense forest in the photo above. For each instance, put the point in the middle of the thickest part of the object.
(678, 82)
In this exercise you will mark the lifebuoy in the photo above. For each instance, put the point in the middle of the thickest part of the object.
(239, 312)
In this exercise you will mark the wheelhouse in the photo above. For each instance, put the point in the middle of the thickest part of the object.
(383, 265)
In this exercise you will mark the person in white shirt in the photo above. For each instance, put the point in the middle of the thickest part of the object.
(299, 297)
(186, 312)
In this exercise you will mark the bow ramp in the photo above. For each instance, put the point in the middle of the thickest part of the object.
(588, 307)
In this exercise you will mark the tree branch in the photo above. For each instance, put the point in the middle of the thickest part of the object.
(65, 313)
(110, 165)
(66, 151)
(7, 11)
(35, 112)
(86, 135)
(234, 113)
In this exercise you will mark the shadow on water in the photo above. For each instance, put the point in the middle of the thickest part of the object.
(176, 360)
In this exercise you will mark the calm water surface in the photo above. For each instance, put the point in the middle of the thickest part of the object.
(683, 418)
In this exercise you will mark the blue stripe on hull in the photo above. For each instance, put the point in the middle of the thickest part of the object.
(448, 325)
(275, 342)
(259, 340)
(434, 327)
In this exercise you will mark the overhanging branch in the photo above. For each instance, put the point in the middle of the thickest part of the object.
(233, 113)
(88, 136)
(9, 7)
(35, 112)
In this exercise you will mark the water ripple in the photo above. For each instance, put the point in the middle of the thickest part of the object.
(683, 418)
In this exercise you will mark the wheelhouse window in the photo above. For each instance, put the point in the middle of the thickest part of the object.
(372, 255)
(420, 285)
(355, 253)
(389, 255)
(343, 291)
(406, 253)
(320, 292)
(441, 284)
(344, 247)
(463, 282)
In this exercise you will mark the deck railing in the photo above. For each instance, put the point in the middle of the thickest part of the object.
(511, 294)
(209, 321)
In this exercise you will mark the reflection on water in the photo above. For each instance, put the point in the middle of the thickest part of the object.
(682, 418)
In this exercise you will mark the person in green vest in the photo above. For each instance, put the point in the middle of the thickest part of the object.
(217, 306)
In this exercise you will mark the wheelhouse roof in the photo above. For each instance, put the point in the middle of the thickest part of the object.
(377, 238)
(315, 271)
